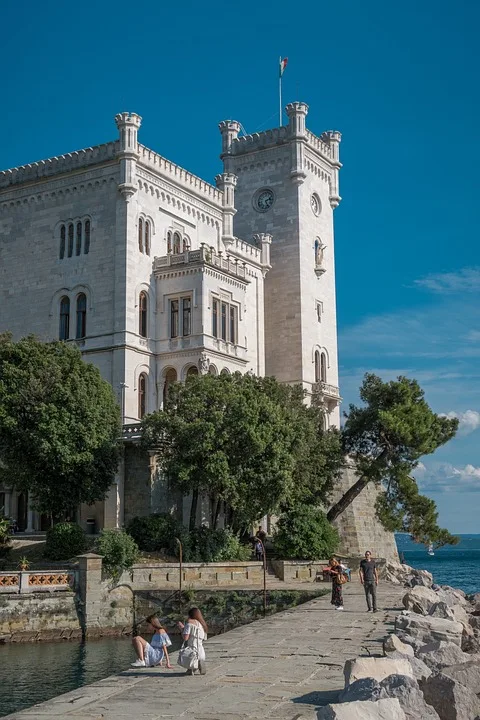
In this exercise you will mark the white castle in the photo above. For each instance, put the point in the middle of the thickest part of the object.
(156, 274)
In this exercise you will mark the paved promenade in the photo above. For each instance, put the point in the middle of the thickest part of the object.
(283, 667)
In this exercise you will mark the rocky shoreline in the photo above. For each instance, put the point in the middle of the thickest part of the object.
(431, 664)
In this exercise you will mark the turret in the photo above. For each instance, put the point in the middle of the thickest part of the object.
(334, 138)
(226, 182)
(264, 241)
(128, 125)
(229, 130)
(297, 112)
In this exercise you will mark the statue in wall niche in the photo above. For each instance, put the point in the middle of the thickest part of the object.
(319, 252)
(203, 363)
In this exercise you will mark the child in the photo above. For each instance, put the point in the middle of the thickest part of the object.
(152, 653)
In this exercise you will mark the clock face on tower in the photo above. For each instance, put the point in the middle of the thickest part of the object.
(315, 204)
(264, 200)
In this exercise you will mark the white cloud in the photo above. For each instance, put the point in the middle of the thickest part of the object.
(465, 280)
(446, 478)
(468, 420)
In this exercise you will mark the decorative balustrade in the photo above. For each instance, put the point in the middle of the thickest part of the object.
(132, 431)
(207, 255)
(28, 581)
(327, 390)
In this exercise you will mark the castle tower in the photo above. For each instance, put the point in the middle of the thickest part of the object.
(287, 187)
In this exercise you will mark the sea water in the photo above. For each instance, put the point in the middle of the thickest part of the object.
(455, 565)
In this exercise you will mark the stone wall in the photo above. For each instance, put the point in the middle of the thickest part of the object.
(358, 526)
(39, 616)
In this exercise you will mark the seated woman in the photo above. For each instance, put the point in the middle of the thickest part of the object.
(152, 653)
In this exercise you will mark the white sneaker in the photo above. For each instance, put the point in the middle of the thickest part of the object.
(138, 663)
(339, 608)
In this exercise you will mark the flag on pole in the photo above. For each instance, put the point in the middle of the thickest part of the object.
(283, 65)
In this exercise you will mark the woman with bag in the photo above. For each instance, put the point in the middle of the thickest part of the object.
(338, 578)
(152, 653)
(192, 653)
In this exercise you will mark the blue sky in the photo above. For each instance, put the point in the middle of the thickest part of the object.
(399, 80)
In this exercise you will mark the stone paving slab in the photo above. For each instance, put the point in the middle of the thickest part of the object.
(283, 667)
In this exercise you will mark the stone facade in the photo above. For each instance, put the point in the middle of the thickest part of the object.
(156, 274)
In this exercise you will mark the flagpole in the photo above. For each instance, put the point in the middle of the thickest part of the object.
(280, 90)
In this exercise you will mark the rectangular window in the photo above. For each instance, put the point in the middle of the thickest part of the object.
(215, 319)
(233, 324)
(187, 316)
(173, 318)
(224, 321)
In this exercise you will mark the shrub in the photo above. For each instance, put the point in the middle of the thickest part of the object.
(155, 533)
(5, 544)
(304, 533)
(119, 551)
(208, 545)
(64, 541)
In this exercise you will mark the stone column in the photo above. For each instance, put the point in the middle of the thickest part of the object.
(30, 528)
(91, 592)
(8, 498)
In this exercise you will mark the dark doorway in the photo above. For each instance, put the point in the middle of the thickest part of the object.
(22, 512)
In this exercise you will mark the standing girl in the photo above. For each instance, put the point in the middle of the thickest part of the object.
(194, 633)
(336, 575)
(153, 652)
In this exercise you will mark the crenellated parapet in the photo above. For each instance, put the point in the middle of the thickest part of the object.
(59, 165)
(179, 176)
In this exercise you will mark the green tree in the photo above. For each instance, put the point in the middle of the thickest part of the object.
(304, 533)
(59, 425)
(386, 437)
(245, 442)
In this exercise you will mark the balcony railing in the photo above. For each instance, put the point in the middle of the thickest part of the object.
(206, 255)
(25, 581)
(323, 388)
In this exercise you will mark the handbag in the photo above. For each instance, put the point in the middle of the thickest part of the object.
(187, 657)
(342, 578)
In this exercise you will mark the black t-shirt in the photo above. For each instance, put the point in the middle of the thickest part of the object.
(368, 569)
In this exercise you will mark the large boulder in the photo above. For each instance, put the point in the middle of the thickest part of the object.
(452, 596)
(409, 696)
(388, 709)
(404, 688)
(392, 643)
(466, 673)
(437, 655)
(376, 668)
(429, 628)
(451, 700)
(421, 671)
(405, 575)
(474, 621)
(441, 610)
(420, 599)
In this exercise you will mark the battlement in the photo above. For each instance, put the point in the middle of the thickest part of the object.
(279, 136)
(189, 182)
(59, 165)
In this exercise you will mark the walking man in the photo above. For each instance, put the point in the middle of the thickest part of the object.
(369, 579)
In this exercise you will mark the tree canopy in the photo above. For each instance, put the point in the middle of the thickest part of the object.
(386, 437)
(245, 441)
(59, 425)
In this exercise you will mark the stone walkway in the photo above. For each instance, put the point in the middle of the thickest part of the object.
(283, 667)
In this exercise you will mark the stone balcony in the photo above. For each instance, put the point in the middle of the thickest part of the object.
(329, 392)
(203, 256)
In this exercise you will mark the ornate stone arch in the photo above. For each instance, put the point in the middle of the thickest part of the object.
(151, 311)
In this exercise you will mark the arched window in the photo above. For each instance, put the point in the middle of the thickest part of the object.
(142, 395)
(64, 332)
(323, 367)
(170, 377)
(176, 243)
(225, 371)
(62, 242)
(186, 243)
(192, 371)
(169, 242)
(81, 316)
(140, 235)
(78, 244)
(147, 237)
(317, 366)
(70, 240)
(142, 314)
(86, 244)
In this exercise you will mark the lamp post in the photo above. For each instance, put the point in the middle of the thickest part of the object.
(180, 557)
